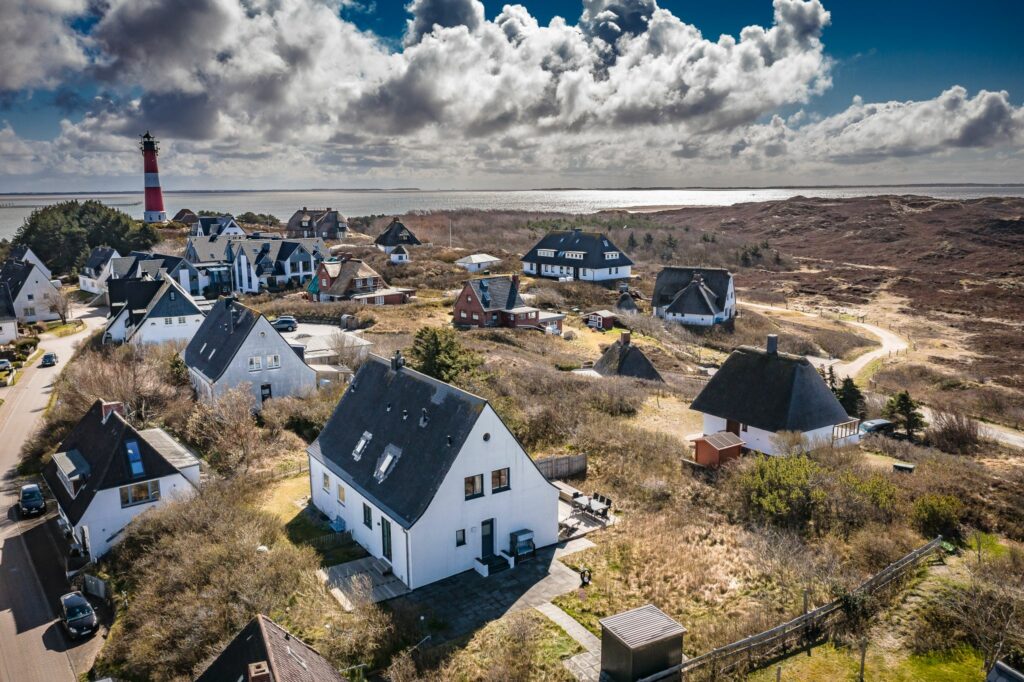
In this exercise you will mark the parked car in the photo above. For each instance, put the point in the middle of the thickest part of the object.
(6, 366)
(30, 501)
(77, 615)
(881, 427)
(49, 360)
(286, 323)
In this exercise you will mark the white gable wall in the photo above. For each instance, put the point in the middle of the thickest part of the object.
(36, 299)
(762, 441)
(293, 378)
(8, 331)
(105, 516)
(157, 330)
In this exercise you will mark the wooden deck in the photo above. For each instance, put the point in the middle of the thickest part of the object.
(348, 588)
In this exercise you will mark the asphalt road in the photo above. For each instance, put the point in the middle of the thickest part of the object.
(33, 647)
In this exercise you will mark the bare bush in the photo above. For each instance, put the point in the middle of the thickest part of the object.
(954, 432)
(226, 430)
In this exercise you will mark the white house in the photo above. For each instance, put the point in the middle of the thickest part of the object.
(427, 478)
(694, 296)
(575, 254)
(400, 255)
(223, 225)
(758, 394)
(21, 252)
(236, 345)
(94, 274)
(262, 263)
(106, 473)
(477, 262)
(151, 311)
(32, 296)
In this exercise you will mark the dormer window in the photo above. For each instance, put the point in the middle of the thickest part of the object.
(611, 255)
(546, 253)
(357, 451)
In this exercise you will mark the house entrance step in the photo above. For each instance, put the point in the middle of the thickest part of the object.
(496, 564)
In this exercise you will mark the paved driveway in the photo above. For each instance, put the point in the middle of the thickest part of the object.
(466, 602)
(32, 645)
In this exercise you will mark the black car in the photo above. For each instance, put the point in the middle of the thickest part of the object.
(30, 501)
(286, 323)
(49, 360)
(77, 615)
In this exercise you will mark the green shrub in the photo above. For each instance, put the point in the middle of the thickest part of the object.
(781, 490)
(936, 514)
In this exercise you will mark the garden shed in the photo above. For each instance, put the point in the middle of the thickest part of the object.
(638, 643)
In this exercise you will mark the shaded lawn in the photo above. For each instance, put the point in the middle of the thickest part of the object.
(831, 662)
(305, 527)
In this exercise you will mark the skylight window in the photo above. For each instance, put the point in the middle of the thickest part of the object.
(357, 452)
(386, 463)
(134, 459)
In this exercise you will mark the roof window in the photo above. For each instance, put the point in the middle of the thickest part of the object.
(424, 418)
(134, 459)
(357, 451)
(387, 462)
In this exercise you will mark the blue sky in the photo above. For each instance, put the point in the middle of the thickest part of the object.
(82, 83)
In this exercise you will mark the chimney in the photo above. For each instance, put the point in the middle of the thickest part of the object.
(303, 209)
(773, 344)
(624, 338)
(110, 408)
(397, 361)
(515, 283)
(259, 672)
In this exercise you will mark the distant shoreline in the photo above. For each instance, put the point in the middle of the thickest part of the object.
(695, 188)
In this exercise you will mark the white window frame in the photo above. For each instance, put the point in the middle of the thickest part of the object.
(255, 363)
(273, 361)
(611, 255)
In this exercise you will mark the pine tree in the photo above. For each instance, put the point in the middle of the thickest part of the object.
(903, 410)
(833, 383)
(648, 239)
(632, 243)
(436, 351)
(851, 398)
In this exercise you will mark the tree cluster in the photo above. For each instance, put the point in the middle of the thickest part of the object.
(63, 234)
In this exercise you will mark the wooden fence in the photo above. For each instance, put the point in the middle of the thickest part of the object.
(566, 466)
(801, 631)
(330, 540)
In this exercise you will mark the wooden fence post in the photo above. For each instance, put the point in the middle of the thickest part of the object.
(863, 653)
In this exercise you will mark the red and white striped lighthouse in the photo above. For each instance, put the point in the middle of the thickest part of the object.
(155, 212)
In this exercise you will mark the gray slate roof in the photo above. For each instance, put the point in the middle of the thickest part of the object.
(219, 337)
(6, 303)
(98, 450)
(671, 282)
(262, 640)
(14, 274)
(497, 293)
(212, 248)
(425, 453)
(626, 360)
(150, 298)
(396, 233)
(267, 255)
(770, 391)
(593, 244)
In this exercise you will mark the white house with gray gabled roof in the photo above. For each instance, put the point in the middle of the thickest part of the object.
(427, 478)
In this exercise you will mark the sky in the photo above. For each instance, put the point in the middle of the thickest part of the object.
(254, 94)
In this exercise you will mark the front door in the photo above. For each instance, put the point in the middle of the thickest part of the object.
(732, 426)
(265, 393)
(385, 538)
(487, 539)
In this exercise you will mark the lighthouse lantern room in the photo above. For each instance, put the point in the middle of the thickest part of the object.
(155, 212)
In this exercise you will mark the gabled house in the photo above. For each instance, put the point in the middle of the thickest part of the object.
(427, 478)
(144, 265)
(237, 345)
(94, 274)
(400, 255)
(325, 223)
(339, 280)
(106, 473)
(22, 252)
(185, 216)
(394, 235)
(494, 301)
(759, 393)
(477, 262)
(213, 249)
(694, 296)
(624, 359)
(151, 311)
(263, 651)
(221, 226)
(575, 254)
(33, 296)
(601, 319)
(258, 263)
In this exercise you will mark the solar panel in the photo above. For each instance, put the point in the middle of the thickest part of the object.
(134, 459)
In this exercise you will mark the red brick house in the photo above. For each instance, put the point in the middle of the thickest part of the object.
(495, 302)
(352, 279)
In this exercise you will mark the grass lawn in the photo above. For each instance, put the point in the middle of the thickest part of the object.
(829, 662)
(484, 651)
(68, 329)
(300, 527)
